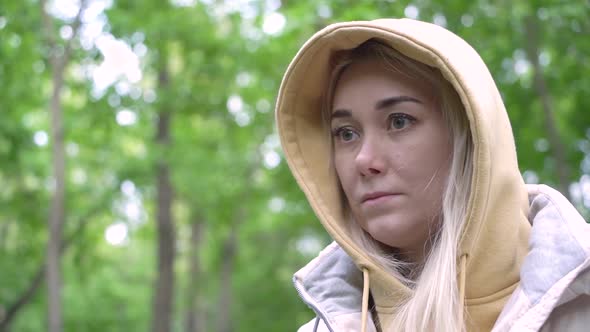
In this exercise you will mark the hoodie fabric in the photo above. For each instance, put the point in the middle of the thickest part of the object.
(496, 235)
(553, 294)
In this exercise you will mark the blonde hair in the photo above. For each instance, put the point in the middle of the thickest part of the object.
(435, 305)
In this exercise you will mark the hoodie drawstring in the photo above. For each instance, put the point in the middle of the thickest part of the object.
(365, 304)
(462, 273)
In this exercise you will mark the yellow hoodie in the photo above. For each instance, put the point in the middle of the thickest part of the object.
(494, 241)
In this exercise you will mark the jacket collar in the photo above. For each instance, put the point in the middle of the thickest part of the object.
(331, 284)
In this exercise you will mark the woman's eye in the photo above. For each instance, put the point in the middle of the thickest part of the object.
(400, 121)
(345, 134)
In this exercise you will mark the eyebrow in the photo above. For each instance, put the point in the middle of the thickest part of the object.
(381, 104)
(392, 101)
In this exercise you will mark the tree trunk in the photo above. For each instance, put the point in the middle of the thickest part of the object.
(163, 300)
(56, 219)
(57, 214)
(557, 147)
(224, 312)
(195, 318)
(3, 236)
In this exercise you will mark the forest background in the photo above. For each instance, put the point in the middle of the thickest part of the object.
(142, 186)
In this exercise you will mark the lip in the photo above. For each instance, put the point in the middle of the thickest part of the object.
(377, 196)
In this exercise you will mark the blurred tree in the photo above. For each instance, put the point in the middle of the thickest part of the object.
(162, 312)
(187, 112)
(59, 57)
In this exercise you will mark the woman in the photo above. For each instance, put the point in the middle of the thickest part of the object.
(396, 133)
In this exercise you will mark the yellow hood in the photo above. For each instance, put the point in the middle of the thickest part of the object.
(496, 233)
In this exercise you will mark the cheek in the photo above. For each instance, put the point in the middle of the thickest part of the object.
(426, 161)
(344, 171)
(436, 163)
(435, 144)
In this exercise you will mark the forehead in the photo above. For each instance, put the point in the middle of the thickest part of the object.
(367, 81)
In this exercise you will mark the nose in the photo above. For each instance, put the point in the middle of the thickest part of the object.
(369, 159)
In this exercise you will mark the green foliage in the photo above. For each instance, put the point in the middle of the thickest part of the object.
(218, 56)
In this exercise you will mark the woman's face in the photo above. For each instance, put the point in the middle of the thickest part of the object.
(392, 153)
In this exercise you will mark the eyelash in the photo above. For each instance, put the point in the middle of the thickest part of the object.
(396, 116)
(337, 132)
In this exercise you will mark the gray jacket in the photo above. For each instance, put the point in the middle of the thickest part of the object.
(554, 290)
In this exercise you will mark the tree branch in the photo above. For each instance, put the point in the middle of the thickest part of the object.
(59, 62)
(39, 276)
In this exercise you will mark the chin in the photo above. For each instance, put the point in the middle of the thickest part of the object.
(393, 232)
